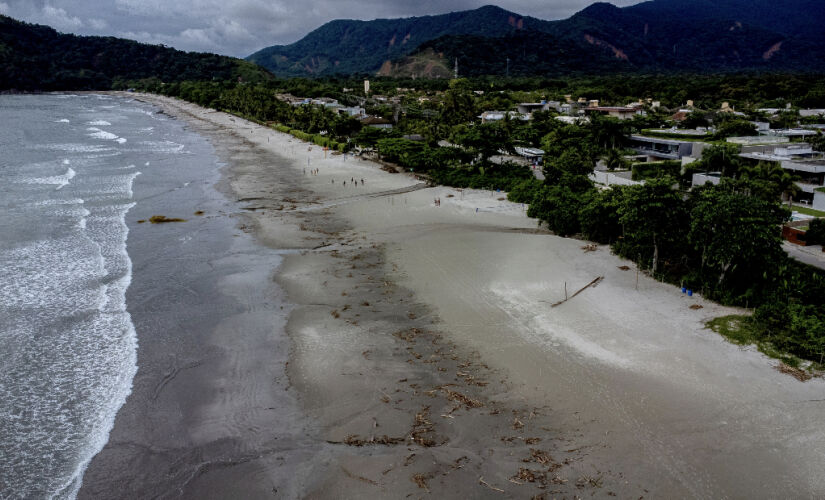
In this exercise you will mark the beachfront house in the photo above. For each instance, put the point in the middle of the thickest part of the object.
(527, 108)
(353, 111)
(806, 113)
(620, 112)
(532, 155)
(494, 116)
(377, 122)
(659, 148)
(801, 160)
(572, 120)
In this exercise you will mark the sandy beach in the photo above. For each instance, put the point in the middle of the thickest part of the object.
(358, 341)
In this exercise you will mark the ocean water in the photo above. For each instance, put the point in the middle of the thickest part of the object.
(68, 165)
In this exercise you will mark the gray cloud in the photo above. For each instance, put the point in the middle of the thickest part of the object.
(240, 27)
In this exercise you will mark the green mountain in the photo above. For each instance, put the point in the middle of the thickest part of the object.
(348, 47)
(658, 35)
(35, 57)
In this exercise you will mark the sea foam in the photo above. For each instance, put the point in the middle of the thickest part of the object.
(67, 342)
(59, 180)
(96, 133)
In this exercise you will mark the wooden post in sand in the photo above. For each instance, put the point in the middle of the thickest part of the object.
(585, 287)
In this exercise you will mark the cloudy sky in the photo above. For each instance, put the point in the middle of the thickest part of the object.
(240, 27)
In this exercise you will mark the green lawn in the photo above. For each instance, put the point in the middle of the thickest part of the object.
(808, 211)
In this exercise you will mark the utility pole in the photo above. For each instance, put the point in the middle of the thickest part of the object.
(455, 70)
(508, 67)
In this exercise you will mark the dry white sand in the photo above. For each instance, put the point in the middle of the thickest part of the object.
(650, 394)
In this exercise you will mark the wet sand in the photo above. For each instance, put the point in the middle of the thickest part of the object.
(418, 353)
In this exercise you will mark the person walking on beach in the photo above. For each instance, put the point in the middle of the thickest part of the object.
(362, 181)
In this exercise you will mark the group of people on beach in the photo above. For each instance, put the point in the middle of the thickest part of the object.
(314, 171)
(438, 202)
(352, 180)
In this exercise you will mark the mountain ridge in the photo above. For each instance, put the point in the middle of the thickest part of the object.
(657, 35)
(375, 42)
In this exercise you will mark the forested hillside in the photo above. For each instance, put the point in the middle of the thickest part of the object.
(348, 47)
(34, 57)
(661, 35)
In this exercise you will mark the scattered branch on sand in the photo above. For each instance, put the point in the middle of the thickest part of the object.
(624, 268)
(353, 440)
(422, 430)
(796, 373)
(529, 476)
(485, 483)
(583, 481)
(461, 398)
(540, 456)
(360, 478)
(591, 284)
(458, 463)
(592, 247)
(696, 307)
(421, 480)
(161, 219)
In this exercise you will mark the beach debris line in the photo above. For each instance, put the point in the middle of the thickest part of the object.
(591, 247)
(591, 284)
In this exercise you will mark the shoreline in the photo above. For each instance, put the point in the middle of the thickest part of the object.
(203, 306)
(421, 340)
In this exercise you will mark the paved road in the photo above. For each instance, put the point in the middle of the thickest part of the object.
(812, 255)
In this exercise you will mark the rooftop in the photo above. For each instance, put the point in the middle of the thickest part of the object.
(375, 120)
(619, 109)
(700, 132)
(659, 140)
(530, 151)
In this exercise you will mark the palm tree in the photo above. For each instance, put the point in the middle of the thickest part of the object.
(769, 181)
(614, 160)
(608, 132)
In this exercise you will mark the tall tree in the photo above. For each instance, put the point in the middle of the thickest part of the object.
(486, 140)
(733, 231)
(608, 132)
(653, 218)
(769, 181)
